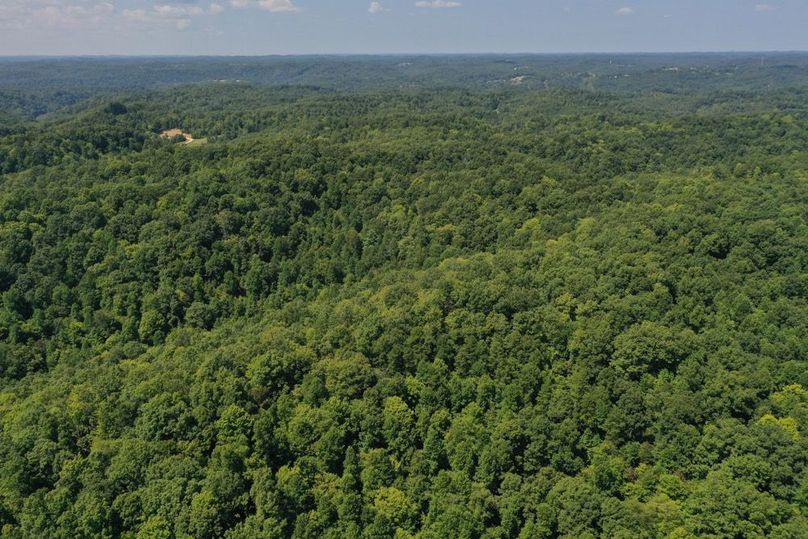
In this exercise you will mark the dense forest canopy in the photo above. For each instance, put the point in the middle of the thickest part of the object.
(32, 87)
(477, 297)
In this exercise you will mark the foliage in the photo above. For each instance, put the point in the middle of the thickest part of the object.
(465, 312)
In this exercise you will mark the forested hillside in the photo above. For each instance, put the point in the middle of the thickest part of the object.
(34, 87)
(407, 311)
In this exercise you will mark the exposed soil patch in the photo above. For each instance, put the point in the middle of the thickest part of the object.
(177, 134)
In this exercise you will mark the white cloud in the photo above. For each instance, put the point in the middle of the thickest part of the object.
(135, 15)
(74, 14)
(625, 11)
(274, 6)
(438, 4)
(180, 16)
(169, 11)
(98, 14)
(764, 7)
(376, 7)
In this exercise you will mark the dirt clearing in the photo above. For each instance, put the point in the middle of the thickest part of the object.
(188, 138)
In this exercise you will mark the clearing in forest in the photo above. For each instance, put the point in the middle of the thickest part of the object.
(189, 138)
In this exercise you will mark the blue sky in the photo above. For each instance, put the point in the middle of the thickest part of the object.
(34, 27)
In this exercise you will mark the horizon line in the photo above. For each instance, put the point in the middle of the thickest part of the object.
(395, 54)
